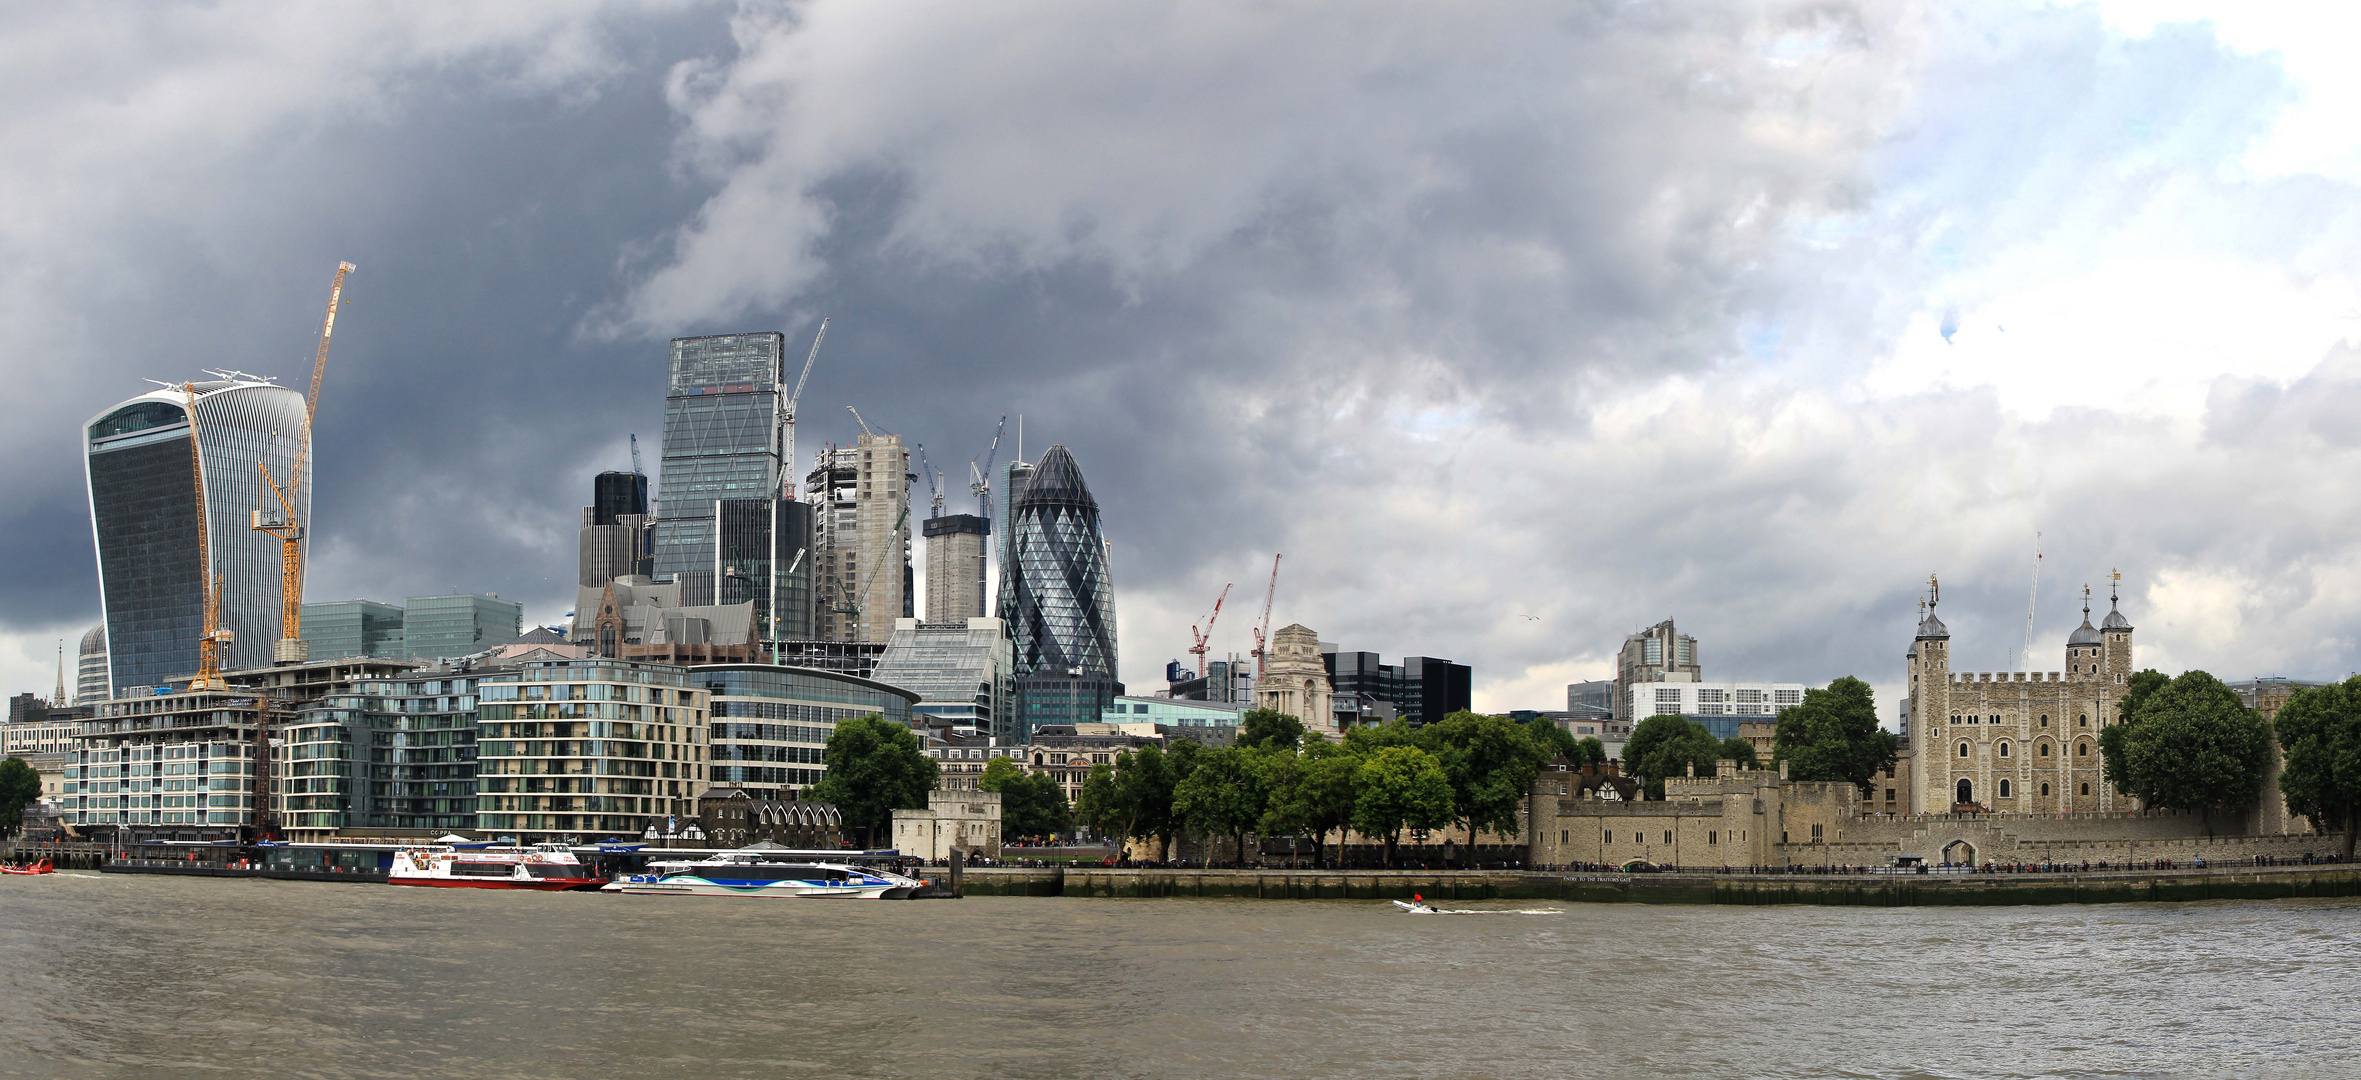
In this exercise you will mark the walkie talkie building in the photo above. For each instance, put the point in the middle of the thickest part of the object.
(143, 517)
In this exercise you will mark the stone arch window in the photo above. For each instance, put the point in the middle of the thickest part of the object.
(2004, 753)
(2045, 719)
(2086, 789)
(2082, 749)
(1963, 749)
(2045, 791)
(2044, 752)
(2004, 789)
(1966, 790)
(2081, 720)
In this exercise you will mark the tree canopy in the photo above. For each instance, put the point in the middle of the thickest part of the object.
(1269, 729)
(875, 767)
(1490, 762)
(1031, 804)
(1401, 787)
(2319, 732)
(1834, 735)
(1224, 794)
(1662, 746)
(1740, 751)
(1312, 793)
(20, 787)
(2189, 745)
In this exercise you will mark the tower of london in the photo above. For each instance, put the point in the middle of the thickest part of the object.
(2026, 742)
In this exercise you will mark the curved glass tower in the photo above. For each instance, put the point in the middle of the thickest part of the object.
(1057, 594)
(143, 515)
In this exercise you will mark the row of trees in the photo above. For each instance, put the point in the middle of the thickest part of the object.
(1471, 771)
(2189, 743)
(1833, 735)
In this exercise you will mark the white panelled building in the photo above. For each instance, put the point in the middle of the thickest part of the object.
(1703, 699)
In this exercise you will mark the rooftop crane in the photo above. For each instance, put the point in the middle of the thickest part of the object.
(291, 648)
(636, 470)
(786, 433)
(1200, 647)
(980, 480)
(214, 635)
(1262, 628)
(857, 419)
(933, 487)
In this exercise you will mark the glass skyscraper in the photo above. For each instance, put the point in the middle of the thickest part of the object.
(143, 517)
(1057, 593)
(750, 565)
(721, 415)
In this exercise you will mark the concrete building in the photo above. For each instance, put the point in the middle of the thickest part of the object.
(1719, 706)
(143, 519)
(962, 673)
(721, 433)
(2022, 744)
(964, 755)
(861, 538)
(1059, 596)
(768, 725)
(1595, 694)
(955, 559)
(589, 749)
(172, 767)
(618, 534)
(968, 821)
(1660, 653)
(1295, 680)
(90, 668)
(1216, 721)
(384, 755)
(1229, 681)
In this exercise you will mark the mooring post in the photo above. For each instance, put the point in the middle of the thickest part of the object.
(958, 863)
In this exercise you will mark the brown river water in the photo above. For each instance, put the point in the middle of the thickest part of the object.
(126, 976)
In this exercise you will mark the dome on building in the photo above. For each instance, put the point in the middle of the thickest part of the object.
(94, 641)
(2084, 635)
(2115, 620)
(1931, 627)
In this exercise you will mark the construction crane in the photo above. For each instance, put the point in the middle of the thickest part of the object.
(864, 423)
(215, 635)
(980, 480)
(933, 486)
(291, 648)
(1263, 628)
(636, 470)
(1200, 647)
(786, 433)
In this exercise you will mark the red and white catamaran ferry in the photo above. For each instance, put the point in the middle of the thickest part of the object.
(548, 867)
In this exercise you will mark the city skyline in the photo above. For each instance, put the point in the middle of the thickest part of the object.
(1879, 330)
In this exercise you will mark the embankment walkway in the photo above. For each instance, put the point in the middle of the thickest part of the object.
(1860, 890)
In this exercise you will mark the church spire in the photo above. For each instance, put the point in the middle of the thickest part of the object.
(60, 701)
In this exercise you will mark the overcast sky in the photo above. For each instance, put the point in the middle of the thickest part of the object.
(1515, 327)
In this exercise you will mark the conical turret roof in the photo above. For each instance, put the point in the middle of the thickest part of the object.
(1057, 481)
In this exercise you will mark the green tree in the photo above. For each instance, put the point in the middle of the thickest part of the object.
(1491, 762)
(1662, 746)
(1139, 802)
(1312, 794)
(1031, 804)
(1740, 751)
(1594, 752)
(1223, 794)
(1555, 742)
(875, 767)
(1269, 729)
(2319, 733)
(2192, 745)
(1098, 805)
(1834, 735)
(1367, 739)
(20, 787)
(2137, 690)
(1401, 787)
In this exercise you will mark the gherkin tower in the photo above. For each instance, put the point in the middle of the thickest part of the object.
(1056, 592)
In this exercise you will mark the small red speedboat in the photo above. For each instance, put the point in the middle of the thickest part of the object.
(41, 867)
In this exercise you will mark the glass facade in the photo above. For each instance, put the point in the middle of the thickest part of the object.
(745, 558)
(448, 627)
(394, 753)
(167, 767)
(589, 749)
(143, 519)
(721, 414)
(1059, 598)
(341, 628)
(770, 724)
(961, 672)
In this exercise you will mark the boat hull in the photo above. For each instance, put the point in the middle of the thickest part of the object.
(536, 884)
(685, 885)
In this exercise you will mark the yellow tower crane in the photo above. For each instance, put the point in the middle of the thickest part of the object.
(291, 648)
(209, 645)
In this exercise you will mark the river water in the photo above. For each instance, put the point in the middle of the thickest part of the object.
(129, 976)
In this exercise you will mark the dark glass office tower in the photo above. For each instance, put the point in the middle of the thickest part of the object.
(1061, 594)
(744, 556)
(143, 518)
(721, 415)
(615, 494)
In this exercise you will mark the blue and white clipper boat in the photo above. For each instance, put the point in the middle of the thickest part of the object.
(768, 873)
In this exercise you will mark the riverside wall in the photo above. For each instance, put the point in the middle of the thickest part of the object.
(1855, 890)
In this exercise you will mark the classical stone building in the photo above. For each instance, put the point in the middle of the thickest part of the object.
(966, 820)
(2022, 743)
(1295, 680)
